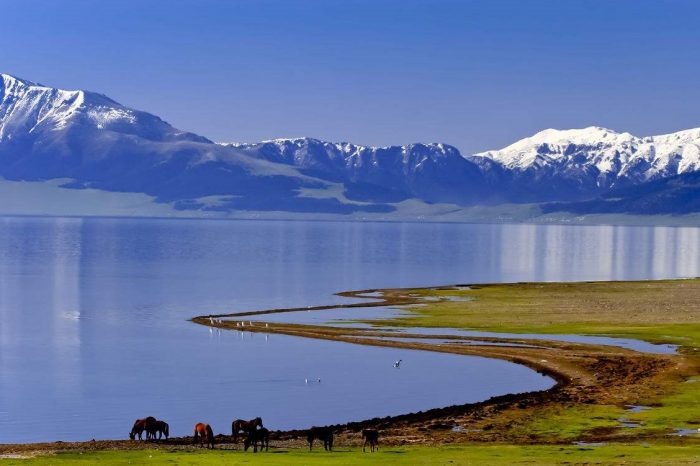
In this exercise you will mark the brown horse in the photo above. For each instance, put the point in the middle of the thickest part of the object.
(371, 437)
(239, 425)
(324, 434)
(140, 425)
(204, 433)
(261, 435)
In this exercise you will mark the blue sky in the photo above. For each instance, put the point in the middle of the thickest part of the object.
(475, 74)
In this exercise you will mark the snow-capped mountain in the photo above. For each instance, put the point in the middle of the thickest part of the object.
(48, 133)
(88, 138)
(589, 161)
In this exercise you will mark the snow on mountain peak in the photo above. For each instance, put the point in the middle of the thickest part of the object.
(553, 144)
(602, 153)
(27, 107)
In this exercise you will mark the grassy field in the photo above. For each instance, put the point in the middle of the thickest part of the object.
(447, 455)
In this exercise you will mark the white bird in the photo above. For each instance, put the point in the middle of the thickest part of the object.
(211, 320)
(250, 323)
(265, 325)
(397, 364)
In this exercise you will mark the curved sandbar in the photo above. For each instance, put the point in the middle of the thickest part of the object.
(586, 374)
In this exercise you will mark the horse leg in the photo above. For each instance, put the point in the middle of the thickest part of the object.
(311, 443)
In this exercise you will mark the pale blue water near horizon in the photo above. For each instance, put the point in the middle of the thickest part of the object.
(94, 331)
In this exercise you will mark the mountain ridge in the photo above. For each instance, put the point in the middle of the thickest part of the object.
(48, 133)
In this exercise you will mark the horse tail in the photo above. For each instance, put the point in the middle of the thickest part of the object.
(166, 430)
(210, 434)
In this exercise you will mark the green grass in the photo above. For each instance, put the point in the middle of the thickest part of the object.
(657, 311)
(571, 422)
(450, 455)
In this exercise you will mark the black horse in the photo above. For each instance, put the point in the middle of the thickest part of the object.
(160, 429)
(261, 435)
(371, 438)
(324, 434)
(239, 425)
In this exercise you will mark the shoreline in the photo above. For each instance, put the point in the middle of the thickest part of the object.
(584, 375)
(569, 364)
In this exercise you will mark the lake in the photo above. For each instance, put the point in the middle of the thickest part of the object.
(94, 331)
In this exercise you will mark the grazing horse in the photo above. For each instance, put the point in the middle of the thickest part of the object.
(261, 435)
(371, 437)
(161, 428)
(239, 425)
(204, 433)
(140, 425)
(322, 433)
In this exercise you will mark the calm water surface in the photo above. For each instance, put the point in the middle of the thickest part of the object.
(93, 329)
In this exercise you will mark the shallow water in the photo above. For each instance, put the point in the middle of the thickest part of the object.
(94, 330)
(347, 317)
(636, 345)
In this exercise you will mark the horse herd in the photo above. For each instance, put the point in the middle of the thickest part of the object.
(253, 430)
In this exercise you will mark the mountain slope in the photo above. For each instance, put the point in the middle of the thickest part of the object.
(48, 133)
(677, 195)
(431, 172)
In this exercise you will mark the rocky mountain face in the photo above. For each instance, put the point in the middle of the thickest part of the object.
(431, 172)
